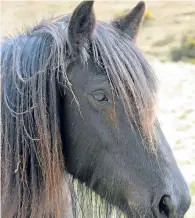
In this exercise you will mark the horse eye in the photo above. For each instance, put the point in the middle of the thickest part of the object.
(100, 97)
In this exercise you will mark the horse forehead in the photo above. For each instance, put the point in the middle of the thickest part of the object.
(87, 72)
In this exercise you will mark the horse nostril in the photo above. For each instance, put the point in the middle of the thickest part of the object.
(166, 207)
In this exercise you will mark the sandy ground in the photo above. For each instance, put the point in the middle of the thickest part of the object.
(177, 116)
(171, 21)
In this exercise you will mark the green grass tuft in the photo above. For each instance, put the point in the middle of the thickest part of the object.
(192, 187)
(186, 51)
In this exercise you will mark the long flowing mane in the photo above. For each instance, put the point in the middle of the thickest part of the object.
(32, 67)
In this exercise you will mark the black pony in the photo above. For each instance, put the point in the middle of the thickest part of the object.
(78, 104)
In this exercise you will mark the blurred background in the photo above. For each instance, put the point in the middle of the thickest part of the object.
(167, 39)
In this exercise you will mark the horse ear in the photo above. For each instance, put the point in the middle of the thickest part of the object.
(130, 22)
(81, 25)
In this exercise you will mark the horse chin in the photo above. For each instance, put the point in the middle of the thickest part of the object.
(137, 213)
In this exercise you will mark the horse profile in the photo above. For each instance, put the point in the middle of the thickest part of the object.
(78, 104)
